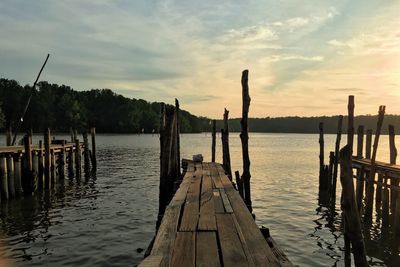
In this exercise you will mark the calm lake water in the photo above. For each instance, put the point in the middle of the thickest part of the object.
(102, 221)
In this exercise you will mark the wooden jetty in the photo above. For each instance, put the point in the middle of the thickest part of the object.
(27, 168)
(374, 184)
(204, 218)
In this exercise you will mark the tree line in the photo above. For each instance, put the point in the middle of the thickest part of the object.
(59, 107)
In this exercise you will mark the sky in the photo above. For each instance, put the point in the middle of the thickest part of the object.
(304, 57)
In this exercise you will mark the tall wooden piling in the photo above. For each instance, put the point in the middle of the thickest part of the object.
(18, 174)
(350, 127)
(168, 157)
(177, 137)
(321, 150)
(3, 177)
(78, 159)
(213, 142)
(47, 159)
(360, 172)
(86, 153)
(94, 159)
(244, 137)
(350, 210)
(371, 177)
(10, 176)
(393, 157)
(29, 180)
(368, 143)
(226, 158)
(335, 166)
(8, 136)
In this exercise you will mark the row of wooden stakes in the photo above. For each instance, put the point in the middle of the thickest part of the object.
(28, 168)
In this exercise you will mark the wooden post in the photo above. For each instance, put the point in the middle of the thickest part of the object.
(321, 157)
(53, 167)
(244, 137)
(3, 177)
(349, 207)
(71, 132)
(86, 153)
(47, 161)
(78, 159)
(71, 162)
(378, 194)
(330, 168)
(239, 184)
(94, 159)
(225, 144)
(28, 177)
(370, 182)
(213, 142)
(10, 176)
(61, 162)
(335, 166)
(18, 174)
(393, 157)
(360, 172)
(350, 128)
(35, 169)
(41, 167)
(8, 136)
(178, 132)
(368, 143)
(385, 204)
(168, 172)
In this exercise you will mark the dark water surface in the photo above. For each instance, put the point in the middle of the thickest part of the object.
(103, 220)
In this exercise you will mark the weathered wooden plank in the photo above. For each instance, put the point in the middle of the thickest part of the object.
(207, 250)
(184, 250)
(258, 247)
(151, 261)
(225, 200)
(218, 204)
(207, 212)
(191, 209)
(231, 247)
(165, 239)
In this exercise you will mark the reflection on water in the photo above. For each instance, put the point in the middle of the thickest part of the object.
(104, 220)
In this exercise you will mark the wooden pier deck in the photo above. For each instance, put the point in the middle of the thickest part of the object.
(208, 224)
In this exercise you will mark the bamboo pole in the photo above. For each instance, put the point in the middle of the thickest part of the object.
(371, 177)
(213, 142)
(244, 137)
(350, 210)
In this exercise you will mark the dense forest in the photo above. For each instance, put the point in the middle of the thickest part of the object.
(60, 107)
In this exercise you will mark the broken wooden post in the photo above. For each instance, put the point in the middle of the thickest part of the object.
(47, 160)
(225, 146)
(3, 177)
(18, 174)
(213, 142)
(393, 156)
(349, 207)
(239, 184)
(335, 166)
(10, 176)
(360, 172)
(94, 159)
(371, 177)
(244, 137)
